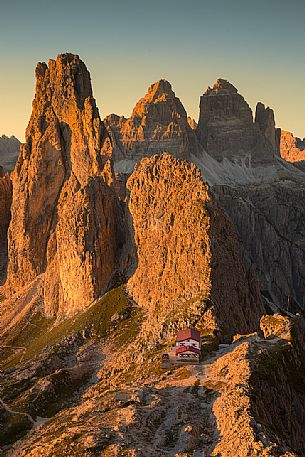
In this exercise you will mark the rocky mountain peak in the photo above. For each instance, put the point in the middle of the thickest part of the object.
(185, 244)
(161, 87)
(226, 129)
(158, 124)
(159, 96)
(65, 109)
(221, 87)
(67, 77)
(62, 195)
(103, 271)
(5, 137)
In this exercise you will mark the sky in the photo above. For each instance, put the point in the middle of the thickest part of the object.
(258, 45)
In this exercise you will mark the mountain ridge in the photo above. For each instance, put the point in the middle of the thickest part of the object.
(114, 235)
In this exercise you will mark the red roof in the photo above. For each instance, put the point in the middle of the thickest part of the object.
(188, 333)
(187, 349)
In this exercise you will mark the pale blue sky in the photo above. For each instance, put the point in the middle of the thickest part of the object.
(127, 45)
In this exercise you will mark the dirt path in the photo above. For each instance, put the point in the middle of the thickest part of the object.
(11, 411)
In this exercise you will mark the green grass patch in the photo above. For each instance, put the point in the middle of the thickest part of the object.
(96, 319)
(39, 332)
(127, 330)
(22, 336)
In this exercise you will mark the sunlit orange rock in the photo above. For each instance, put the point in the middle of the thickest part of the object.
(192, 123)
(158, 124)
(292, 149)
(188, 253)
(64, 210)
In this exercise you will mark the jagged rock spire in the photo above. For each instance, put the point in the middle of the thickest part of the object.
(65, 114)
(63, 211)
(264, 118)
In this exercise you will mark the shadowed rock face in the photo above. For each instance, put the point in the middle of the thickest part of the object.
(264, 118)
(187, 251)
(158, 123)
(226, 128)
(9, 151)
(269, 222)
(267, 217)
(63, 210)
(5, 204)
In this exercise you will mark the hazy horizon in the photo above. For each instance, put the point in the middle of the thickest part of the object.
(129, 45)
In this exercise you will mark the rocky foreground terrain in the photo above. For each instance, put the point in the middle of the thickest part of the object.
(114, 234)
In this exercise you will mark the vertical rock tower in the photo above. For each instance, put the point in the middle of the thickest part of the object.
(226, 129)
(188, 253)
(63, 223)
(264, 118)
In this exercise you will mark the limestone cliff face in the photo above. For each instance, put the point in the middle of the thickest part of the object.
(269, 222)
(5, 205)
(292, 149)
(267, 217)
(226, 128)
(187, 251)
(63, 210)
(158, 124)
